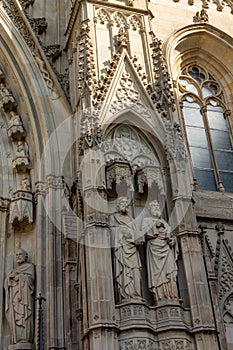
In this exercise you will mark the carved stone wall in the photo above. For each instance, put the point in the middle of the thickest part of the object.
(89, 112)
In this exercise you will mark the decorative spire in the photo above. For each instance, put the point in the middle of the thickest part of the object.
(161, 90)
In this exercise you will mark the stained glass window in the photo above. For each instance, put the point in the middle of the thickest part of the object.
(207, 129)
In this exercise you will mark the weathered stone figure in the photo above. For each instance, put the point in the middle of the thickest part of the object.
(161, 252)
(127, 263)
(19, 288)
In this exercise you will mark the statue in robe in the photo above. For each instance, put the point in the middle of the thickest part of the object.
(19, 289)
(161, 255)
(127, 264)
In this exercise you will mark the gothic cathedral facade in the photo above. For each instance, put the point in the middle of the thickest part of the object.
(116, 174)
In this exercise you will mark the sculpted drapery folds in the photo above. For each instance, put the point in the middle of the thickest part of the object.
(127, 264)
(161, 254)
(19, 288)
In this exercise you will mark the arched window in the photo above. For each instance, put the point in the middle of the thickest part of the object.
(205, 117)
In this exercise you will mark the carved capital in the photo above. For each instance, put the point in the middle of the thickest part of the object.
(55, 182)
(40, 188)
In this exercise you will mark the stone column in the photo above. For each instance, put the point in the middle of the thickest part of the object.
(98, 301)
(40, 256)
(54, 264)
(3, 218)
(204, 327)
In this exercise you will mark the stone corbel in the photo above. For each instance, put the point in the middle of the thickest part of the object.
(21, 206)
(21, 162)
(117, 172)
(150, 175)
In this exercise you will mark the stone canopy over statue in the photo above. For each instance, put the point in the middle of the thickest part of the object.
(127, 264)
(161, 255)
(19, 289)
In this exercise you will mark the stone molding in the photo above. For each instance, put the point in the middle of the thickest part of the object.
(160, 318)
(55, 182)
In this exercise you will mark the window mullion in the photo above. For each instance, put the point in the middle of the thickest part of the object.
(227, 115)
(211, 148)
(184, 132)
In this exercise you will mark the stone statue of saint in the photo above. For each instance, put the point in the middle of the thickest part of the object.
(19, 289)
(161, 254)
(127, 264)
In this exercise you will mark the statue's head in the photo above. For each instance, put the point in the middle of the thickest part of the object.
(122, 204)
(21, 256)
(154, 208)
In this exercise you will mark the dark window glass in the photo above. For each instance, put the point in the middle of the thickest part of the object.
(227, 181)
(196, 136)
(216, 119)
(205, 179)
(220, 139)
(192, 115)
(224, 160)
(201, 157)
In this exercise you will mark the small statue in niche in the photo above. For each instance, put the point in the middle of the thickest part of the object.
(7, 101)
(19, 288)
(15, 129)
(161, 254)
(25, 184)
(127, 264)
(21, 162)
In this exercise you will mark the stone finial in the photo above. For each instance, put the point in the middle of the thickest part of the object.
(201, 17)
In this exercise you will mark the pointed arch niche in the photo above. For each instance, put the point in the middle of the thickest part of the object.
(134, 169)
(201, 67)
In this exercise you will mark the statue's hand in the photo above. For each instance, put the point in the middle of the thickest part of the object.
(126, 233)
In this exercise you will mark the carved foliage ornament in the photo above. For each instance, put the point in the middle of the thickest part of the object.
(220, 5)
(138, 344)
(123, 96)
(15, 15)
(125, 145)
(178, 344)
(26, 3)
(126, 92)
(86, 66)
